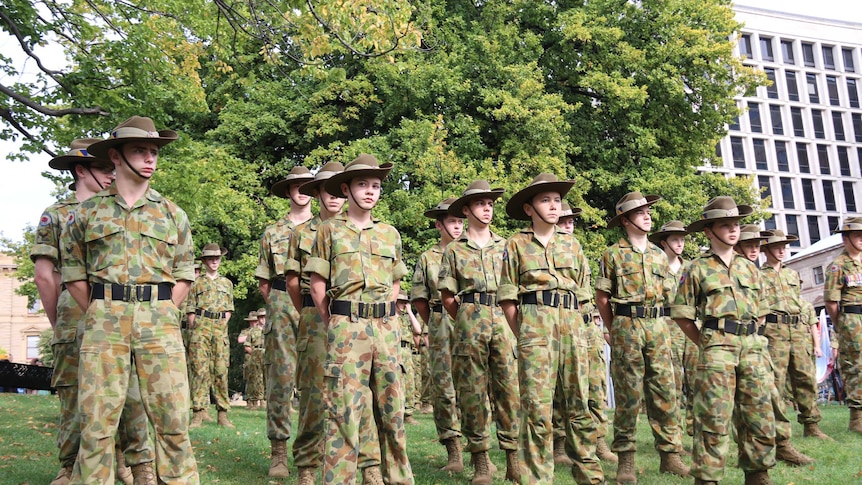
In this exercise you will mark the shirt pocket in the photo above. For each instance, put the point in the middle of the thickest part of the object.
(382, 262)
(750, 289)
(158, 247)
(105, 245)
(279, 249)
(720, 298)
(533, 271)
(630, 280)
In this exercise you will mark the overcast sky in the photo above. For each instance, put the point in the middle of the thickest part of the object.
(24, 193)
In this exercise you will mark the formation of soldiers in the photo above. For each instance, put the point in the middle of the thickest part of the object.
(513, 330)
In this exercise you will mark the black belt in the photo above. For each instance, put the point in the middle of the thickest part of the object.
(204, 313)
(406, 344)
(665, 311)
(588, 318)
(781, 318)
(487, 299)
(438, 308)
(131, 292)
(732, 327)
(640, 311)
(307, 301)
(280, 285)
(856, 309)
(362, 309)
(550, 298)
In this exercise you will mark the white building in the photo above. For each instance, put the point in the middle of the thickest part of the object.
(801, 137)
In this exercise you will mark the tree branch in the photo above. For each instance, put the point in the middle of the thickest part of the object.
(13, 29)
(97, 110)
(6, 114)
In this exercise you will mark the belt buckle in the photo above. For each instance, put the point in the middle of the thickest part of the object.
(127, 294)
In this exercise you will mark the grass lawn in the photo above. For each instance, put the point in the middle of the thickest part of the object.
(241, 456)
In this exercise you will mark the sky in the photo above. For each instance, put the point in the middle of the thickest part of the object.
(24, 193)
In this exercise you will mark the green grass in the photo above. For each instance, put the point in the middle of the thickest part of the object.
(241, 456)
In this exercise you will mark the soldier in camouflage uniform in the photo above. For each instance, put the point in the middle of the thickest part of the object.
(483, 349)
(544, 284)
(184, 318)
(422, 371)
(725, 291)
(251, 340)
(750, 239)
(411, 332)
(91, 175)
(208, 308)
(356, 269)
(425, 298)
(630, 293)
(842, 294)
(128, 258)
(279, 333)
(789, 334)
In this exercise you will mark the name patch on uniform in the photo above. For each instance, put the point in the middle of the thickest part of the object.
(45, 220)
(853, 280)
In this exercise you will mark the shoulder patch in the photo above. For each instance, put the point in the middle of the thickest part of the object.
(683, 277)
(71, 218)
(834, 268)
(45, 220)
(506, 254)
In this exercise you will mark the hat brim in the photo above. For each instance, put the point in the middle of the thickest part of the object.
(660, 236)
(787, 240)
(852, 227)
(697, 226)
(332, 185)
(100, 149)
(455, 208)
(211, 254)
(281, 188)
(515, 205)
(68, 162)
(615, 221)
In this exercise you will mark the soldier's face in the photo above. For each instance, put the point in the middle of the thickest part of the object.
(567, 224)
(853, 241)
(330, 202)
(750, 250)
(546, 205)
(454, 226)
(95, 177)
(364, 192)
(212, 264)
(723, 233)
(675, 243)
(296, 197)
(261, 320)
(777, 251)
(481, 209)
(641, 218)
(142, 156)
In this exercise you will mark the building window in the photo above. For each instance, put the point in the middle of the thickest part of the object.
(817, 121)
(843, 161)
(754, 118)
(808, 194)
(857, 126)
(765, 187)
(813, 95)
(772, 88)
(32, 347)
(775, 115)
(848, 60)
(807, 54)
(818, 275)
(792, 227)
(859, 158)
(787, 52)
(760, 154)
(813, 229)
(781, 156)
(838, 125)
(798, 125)
(792, 87)
(828, 60)
(829, 195)
(849, 196)
(833, 223)
(802, 157)
(737, 151)
(787, 192)
(823, 158)
(766, 49)
(832, 89)
(745, 46)
(769, 224)
(735, 125)
(852, 93)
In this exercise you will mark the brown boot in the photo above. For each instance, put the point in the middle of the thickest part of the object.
(560, 455)
(250, 405)
(372, 476)
(855, 421)
(812, 430)
(482, 473)
(63, 477)
(410, 420)
(223, 421)
(786, 452)
(278, 465)
(124, 473)
(604, 453)
(513, 466)
(491, 465)
(306, 476)
(626, 468)
(758, 478)
(427, 409)
(206, 416)
(671, 463)
(144, 474)
(454, 461)
(197, 418)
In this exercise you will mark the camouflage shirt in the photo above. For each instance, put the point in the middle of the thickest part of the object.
(710, 289)
(426, 276)
(671, 283)
(253, 337)
(529, 266)
(272, 259)
(632, 276)
(299, 251)
(47, 241)
(106, 241)
(210, 294)
(844, 281)
(467, 268)
(782, 290)
(359, 264)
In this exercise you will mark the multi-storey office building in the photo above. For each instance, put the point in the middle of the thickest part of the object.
(800, 138)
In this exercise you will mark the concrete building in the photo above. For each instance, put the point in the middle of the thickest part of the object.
(20, 326)
(800, 138)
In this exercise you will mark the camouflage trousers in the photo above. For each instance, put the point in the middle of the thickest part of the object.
(598, 386)
(483, 356)
(791, 352)
(443, 387)
(553, 358)
(209, 359)
(409, 379)
(422, 372)
(642, 372)
(280, 360)
(678, 342)
(849, 328)
(690, 356)
(364, 400)
(733, 386)
(255, 384)
(115, 335)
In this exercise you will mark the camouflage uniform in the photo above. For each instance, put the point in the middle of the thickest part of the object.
(844, 285)
(362, 372)
(253, 367)
(483, 344)
(678, 342)
(209, 350)
(550, 284)
(733, 371)
(640, 346)
(411, 393)
(425, 280)
(422, 371)
(131, 256)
